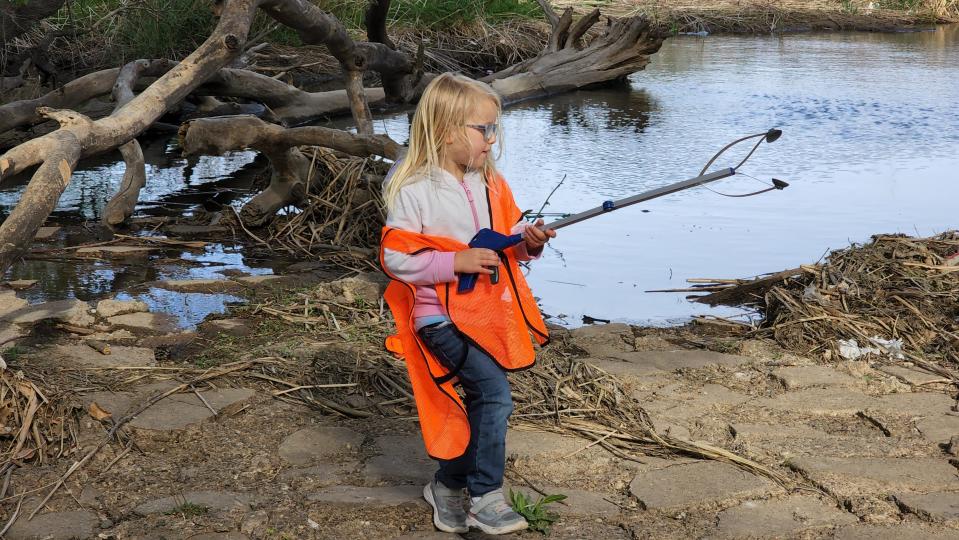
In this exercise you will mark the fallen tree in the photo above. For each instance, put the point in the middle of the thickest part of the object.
(288, 104)
(566, 64)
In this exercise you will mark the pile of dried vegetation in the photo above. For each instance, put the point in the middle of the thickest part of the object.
(894, 290)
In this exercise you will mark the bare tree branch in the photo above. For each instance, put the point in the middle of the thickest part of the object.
(551, 15)
(289, 104)
(358, 103)
(398, 86)
(557, 40)
(216, 136)
(375, 21)
(70, 95)
(579, 30)
(121, 206)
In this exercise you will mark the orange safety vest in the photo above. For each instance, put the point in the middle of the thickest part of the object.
(498, 318)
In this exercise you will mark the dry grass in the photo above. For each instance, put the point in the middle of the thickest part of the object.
(472, 49)
(478, 46)
(339, 218)
(343, 208)
(34, 425)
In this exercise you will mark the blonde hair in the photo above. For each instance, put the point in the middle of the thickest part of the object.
(443, 111)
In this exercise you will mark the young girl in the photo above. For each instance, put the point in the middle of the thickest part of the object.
(437, 198)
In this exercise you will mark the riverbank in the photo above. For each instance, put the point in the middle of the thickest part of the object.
(287, 419)
(765, 16)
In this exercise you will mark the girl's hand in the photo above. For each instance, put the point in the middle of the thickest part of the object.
(475, 261)
(536, 237)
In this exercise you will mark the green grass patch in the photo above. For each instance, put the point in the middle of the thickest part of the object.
(12, 353)
(143, 29)
(120, 31)
(188, 510)
(435, 13)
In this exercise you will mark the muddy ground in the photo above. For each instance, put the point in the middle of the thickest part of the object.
(864, 446)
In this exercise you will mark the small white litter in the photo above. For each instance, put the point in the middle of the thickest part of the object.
(851, 350)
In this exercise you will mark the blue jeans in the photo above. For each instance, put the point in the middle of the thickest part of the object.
(488, 406)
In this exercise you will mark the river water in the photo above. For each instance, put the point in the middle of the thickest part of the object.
(870, 145)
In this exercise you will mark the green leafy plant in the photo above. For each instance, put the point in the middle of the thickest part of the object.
(537, 515)
(189, 509)
(12, 353)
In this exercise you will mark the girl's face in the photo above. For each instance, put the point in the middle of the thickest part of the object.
(469, 151)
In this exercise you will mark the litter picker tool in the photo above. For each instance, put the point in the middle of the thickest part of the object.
(490, 239)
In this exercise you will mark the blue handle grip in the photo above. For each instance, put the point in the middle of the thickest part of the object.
(488, 239)
(466, 282)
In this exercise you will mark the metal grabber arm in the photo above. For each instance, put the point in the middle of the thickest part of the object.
(490, 239)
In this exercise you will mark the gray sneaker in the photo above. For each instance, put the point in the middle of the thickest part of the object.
(492, 515)
(448, 513)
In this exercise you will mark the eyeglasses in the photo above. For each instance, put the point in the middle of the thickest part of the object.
(488, 130)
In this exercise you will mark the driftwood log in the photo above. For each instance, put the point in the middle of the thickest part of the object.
(288, 104)
(210, 73)
(121, 206)
(564, 65)
(71, 95)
